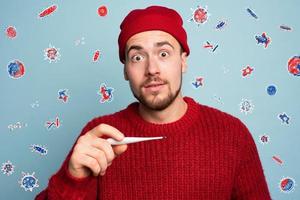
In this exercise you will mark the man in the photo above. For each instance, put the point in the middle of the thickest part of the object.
(207, 154)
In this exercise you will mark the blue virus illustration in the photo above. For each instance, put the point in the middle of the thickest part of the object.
(42, 150)
(285, 119)
(221, 25)
(28, 181)
(252, 13)
(271, 90)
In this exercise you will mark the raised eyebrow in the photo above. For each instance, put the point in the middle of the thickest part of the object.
(134, 47)
(160, 44)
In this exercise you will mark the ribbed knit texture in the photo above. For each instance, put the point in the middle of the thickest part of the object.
(208, 154)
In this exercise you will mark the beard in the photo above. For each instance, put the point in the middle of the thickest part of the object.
(157, 103)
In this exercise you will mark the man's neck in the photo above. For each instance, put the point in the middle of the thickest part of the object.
(170, 114)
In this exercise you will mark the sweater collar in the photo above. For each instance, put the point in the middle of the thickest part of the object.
(191, 115)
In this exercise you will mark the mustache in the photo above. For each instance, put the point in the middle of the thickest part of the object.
(154, 79)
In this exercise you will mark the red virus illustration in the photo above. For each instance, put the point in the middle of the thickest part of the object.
(200, 15)
(96, 56)
(52, 54)
(11, 32)
(277, 159)
(294, 65)
(102, 11)
(48, 11)
(247, 71)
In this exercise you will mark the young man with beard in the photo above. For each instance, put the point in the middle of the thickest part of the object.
(207, 154)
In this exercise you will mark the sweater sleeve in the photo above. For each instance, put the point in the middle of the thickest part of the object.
(63, 185)
(250, 181)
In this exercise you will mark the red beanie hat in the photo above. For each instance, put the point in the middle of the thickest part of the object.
(152, 18)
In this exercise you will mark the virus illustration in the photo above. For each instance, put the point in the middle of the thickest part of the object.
(80, 41)
(198, 82)
(102, 11)
(96, 55)
(271, 90)
(42, 150)
(263, 39)
(252, 13)
(208, 45)
(17, 125)
(285, 28)
(285, 119)
(287, 185)
(28, 181)
(277, 160)
(264, 139)
(62, 95)
(200, 15)
(106, 93)
(221, 25)
(52, 54)
(246, 106)
(247, 71)
(36, 104)
(11, 32)
(294, 65)
(47, 11)
(54, 123)
(16, 69)
(7, 168)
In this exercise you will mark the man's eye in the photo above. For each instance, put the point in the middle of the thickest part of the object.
(164, 54)
(137, 58)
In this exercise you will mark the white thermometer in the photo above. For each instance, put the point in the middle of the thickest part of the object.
(129, 140)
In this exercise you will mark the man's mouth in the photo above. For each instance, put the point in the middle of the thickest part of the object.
(154, 87)
(149, 85)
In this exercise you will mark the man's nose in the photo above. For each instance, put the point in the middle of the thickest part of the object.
(152, 67)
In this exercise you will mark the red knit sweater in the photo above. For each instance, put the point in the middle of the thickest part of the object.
(208, 154)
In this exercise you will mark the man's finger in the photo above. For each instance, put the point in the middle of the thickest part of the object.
(119, 149)
(95, 154)
(107, 130)
(103, 145)
(91, 163)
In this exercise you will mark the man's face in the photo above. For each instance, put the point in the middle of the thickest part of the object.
(154, 66)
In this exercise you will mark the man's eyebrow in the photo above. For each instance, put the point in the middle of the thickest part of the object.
(133, 47)
(160, 44)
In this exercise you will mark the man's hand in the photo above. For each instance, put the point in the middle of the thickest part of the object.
(92, 154)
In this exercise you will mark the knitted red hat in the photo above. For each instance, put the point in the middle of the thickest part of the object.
(152, 18)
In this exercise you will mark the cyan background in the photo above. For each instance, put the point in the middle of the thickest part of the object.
(77, 72)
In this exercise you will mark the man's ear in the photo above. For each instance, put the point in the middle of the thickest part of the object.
(184, 62)
(125, 73)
